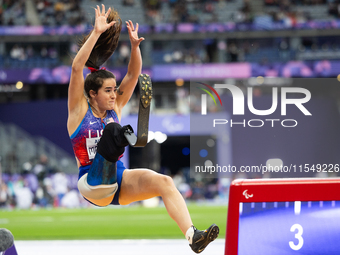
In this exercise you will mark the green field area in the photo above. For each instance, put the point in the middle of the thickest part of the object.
(133, 222)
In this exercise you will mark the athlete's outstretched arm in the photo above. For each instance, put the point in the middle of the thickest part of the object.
(129, 82)
(76, 86)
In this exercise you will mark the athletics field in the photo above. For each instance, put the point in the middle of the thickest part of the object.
(109, 223)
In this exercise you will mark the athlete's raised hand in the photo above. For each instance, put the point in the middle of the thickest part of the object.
(133, 34)
(101, 25)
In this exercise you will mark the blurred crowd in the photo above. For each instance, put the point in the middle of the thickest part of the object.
(17, 9)
(56, 13)
(180, 11)
(22, 53)
(61, 12)
(39, 186)
(269, 50)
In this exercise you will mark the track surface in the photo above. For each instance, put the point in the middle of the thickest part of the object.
(121, 247)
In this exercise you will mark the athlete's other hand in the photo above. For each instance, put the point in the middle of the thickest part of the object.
(133, 34)
(101, 25)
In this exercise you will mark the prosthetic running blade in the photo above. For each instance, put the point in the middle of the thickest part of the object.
(145, 88)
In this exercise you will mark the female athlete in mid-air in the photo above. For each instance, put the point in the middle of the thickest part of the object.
(94, 110)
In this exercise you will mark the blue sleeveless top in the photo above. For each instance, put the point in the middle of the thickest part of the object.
(84, 140)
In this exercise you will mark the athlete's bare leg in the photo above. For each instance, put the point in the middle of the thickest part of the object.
(141, 184)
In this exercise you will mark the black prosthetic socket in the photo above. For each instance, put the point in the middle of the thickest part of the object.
(109, 148)
(113, 142)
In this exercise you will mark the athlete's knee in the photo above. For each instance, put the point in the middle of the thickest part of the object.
(165, 182)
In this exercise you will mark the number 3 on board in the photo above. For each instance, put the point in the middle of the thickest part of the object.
(298, 236)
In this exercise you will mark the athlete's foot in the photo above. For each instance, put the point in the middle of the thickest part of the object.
(201, 239)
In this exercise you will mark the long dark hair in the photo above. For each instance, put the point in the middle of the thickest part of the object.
(103, 49)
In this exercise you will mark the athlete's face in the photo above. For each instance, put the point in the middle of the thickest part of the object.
(106, 96)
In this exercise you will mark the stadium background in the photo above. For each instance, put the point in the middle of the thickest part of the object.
(234, 39)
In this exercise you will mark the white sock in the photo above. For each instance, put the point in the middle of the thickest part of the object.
(189, 234)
